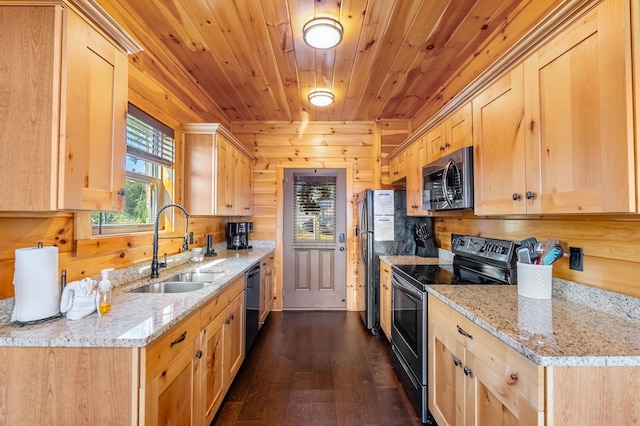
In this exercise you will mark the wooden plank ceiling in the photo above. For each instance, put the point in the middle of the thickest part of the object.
(250, 58)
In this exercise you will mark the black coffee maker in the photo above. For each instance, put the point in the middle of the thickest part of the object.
(237, 234)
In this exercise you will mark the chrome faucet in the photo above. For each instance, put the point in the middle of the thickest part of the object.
(155, 265)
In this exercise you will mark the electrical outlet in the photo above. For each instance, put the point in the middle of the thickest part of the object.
(575, 258)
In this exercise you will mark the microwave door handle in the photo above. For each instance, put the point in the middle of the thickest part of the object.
(445, 191)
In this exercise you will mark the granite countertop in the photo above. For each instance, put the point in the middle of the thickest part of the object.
(135, 319)
(553, 332)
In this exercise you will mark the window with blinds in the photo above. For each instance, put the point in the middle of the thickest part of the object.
(314, 208)
(149, 168)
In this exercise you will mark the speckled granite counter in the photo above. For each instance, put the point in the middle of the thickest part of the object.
(600, 330)
(550, 332)
(135, 319)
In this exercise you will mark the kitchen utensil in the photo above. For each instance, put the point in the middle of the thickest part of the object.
(524, 255)
(554, 254)
(530, 244)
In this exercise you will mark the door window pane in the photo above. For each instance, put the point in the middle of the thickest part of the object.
(314, 208)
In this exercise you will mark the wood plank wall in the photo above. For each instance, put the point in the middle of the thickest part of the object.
(156, 89)
(354, 146)
(610, 244)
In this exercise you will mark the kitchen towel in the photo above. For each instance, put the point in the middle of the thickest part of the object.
(35, 282)
(79, 298)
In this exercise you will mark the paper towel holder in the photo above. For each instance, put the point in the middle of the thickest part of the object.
(63, 282)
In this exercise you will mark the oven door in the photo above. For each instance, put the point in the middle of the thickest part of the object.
(409, 326)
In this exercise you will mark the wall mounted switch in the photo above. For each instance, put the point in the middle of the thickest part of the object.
(575, 258)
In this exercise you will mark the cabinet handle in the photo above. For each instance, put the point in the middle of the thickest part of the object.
(467, 371)
(227, 321)
(447, 145)
(179, 339)
(232, 317)
(441, 148)
(464, 333)
(456, 361)
(121, 192)
(199, 354)
(516, 196)
(530, 195)
(514, 377)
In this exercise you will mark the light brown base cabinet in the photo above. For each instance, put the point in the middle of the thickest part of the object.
(179, 378)
(266, 288)
(385, 298)
(475, 379)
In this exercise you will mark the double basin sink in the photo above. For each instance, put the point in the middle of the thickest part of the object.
(181, 283)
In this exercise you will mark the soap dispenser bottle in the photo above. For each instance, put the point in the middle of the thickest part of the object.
(104, 293)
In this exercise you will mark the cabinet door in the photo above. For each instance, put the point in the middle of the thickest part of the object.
(199, 171)
(491, 401)
(169, 395)
(94, 109)
(212, 380)
(234, 342)
(397, 167)
(459, 129)
(436, 141)
(499, 154)
(244, 186)
(580, 145)
(416, 158)
(264, 291)
(385, 298)
(224, 163)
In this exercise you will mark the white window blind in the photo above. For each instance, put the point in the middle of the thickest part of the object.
(315, 208)
(149, 139)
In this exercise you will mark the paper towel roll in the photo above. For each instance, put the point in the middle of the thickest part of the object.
(35, 281)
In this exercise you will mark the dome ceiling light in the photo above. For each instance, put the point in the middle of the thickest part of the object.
(321, 97)
(322, 33)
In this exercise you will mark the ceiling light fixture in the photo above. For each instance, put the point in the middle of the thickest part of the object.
(322, 33)
(321, 97)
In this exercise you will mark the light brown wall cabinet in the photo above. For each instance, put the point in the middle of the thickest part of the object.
(555, 135)
(451, 134)
(64, 110)
(415, 160)
(474, 379)
(218, 172)
(397, 167)
(385, 298)
(266, 288)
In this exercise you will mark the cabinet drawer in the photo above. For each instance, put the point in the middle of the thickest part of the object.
(215, 306)
(162, 351)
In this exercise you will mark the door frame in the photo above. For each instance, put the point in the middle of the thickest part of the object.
(351, 284)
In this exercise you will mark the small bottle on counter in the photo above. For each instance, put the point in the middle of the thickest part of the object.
(104, 292)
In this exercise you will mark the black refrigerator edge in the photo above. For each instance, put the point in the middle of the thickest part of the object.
(383, 229)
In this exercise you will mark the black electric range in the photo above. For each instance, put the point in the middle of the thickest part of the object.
(477, 260)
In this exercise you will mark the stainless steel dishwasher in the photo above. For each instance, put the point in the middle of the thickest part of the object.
(252, 304)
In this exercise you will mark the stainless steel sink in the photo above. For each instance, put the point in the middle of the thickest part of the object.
(169, 287)
(195, 276)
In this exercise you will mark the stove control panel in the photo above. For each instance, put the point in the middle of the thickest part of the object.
(487, 248)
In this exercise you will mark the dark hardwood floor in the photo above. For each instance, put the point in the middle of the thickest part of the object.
(317, 368)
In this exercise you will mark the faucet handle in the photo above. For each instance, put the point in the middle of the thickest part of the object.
(163, 264)
(185, 243)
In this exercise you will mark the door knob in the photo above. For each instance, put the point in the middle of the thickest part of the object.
(341, 248)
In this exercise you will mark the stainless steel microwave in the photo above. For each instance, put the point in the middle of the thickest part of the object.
(447, 183)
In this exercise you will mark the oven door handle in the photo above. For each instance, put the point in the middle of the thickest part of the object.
(406, 287)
